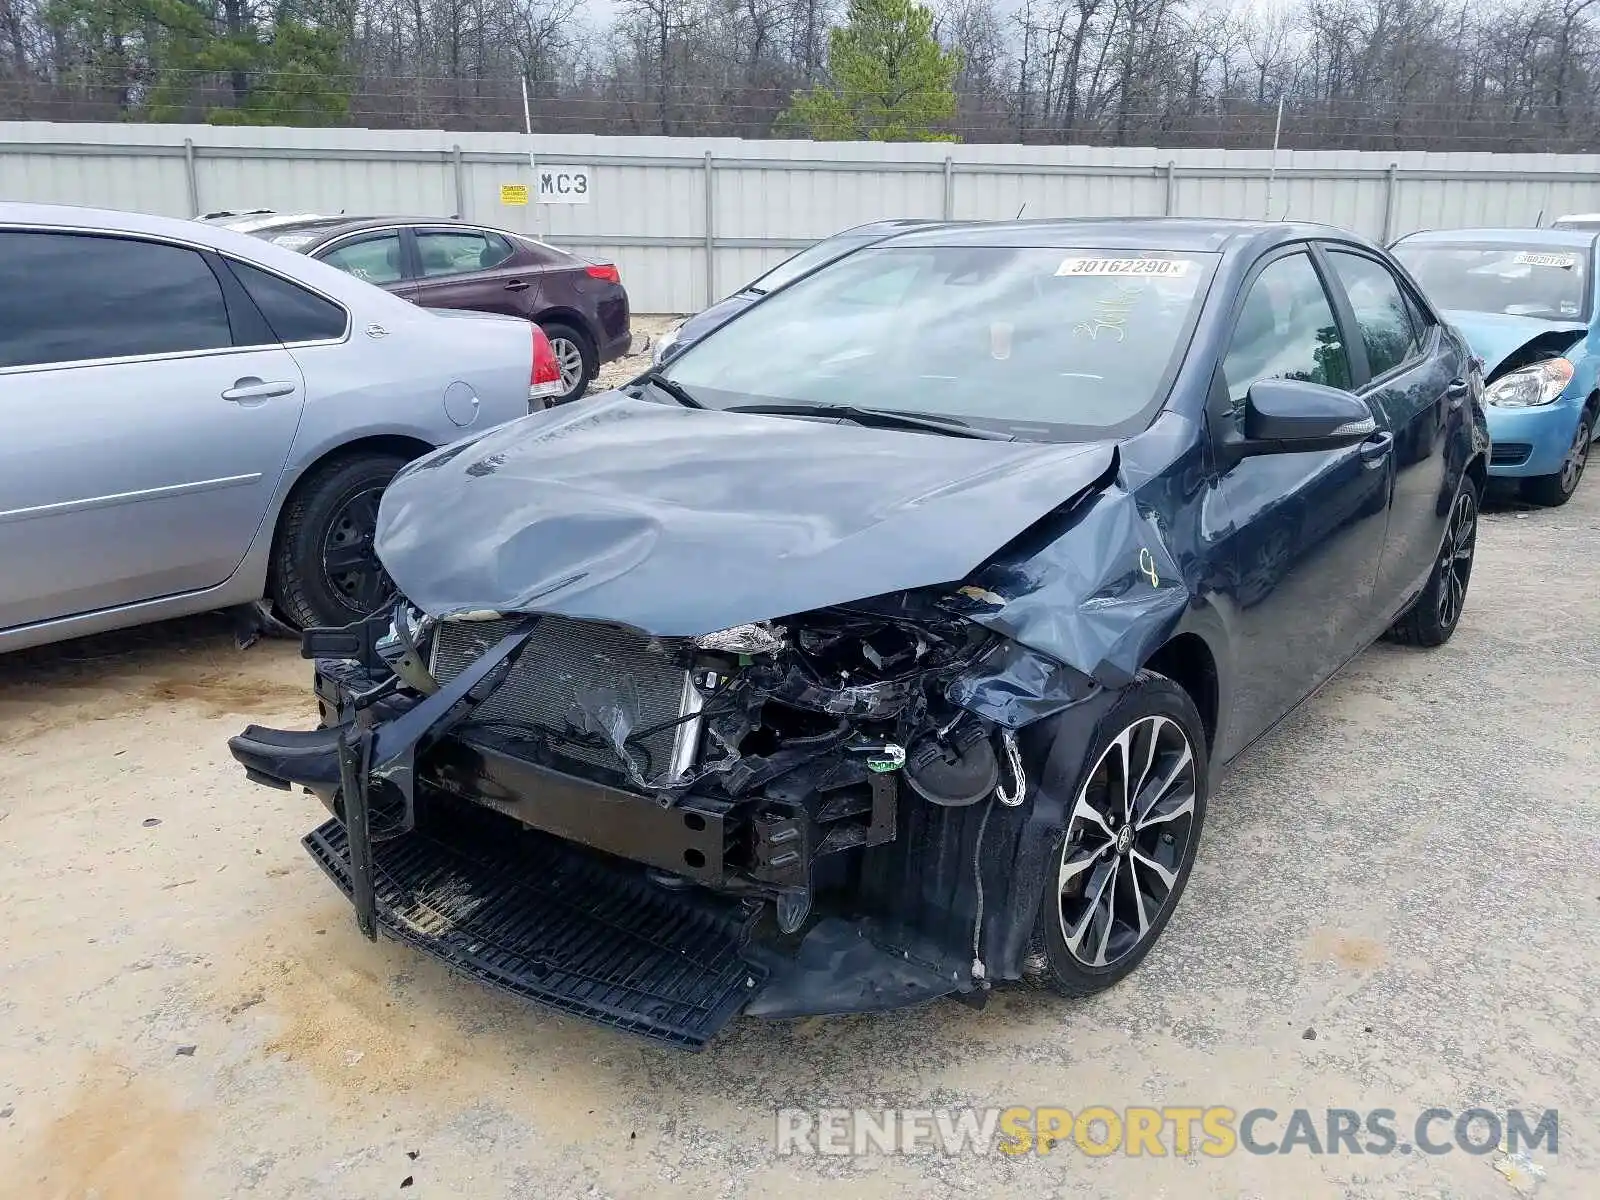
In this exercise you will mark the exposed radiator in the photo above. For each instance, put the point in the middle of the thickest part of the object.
(566, 659)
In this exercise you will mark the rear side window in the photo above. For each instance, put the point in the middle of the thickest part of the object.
(1286, 330)
(460, 251)
(1380, 309)
(68, 297)
(375, 259)
(294, 314)
(1421, 322)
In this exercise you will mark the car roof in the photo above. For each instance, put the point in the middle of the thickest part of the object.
(1575, 239)
(886, 225)
(1135, 233)
(206, 234)
(325, 229)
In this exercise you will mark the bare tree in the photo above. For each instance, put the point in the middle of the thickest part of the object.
(1361, 74)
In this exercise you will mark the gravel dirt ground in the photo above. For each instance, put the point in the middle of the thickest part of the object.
(1405, 870)
(646, 328)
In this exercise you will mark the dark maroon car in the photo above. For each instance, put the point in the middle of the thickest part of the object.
(581, 306)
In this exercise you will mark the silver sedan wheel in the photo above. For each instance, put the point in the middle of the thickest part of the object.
(569, 357)
(1127, 841)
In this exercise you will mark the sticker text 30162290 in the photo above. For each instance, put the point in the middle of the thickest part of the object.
(1160, 268)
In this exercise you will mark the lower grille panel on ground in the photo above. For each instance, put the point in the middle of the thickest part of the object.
(530, 915)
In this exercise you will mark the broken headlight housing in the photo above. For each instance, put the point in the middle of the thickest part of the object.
(1531, 387)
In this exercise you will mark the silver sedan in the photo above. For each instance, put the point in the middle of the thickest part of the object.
(195, 418)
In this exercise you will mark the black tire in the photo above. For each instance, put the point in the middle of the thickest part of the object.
(562, 336)
(1552, 491)
(327, 523)
(1168, 837)
(1433, 618)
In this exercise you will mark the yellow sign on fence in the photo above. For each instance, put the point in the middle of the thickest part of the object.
(514, 193)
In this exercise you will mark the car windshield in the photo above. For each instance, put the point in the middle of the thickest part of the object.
(1524, 281)
(1050, 344)
(297, 240)
(807, 260)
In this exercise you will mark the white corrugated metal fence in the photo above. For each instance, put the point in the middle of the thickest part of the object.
(689, 219)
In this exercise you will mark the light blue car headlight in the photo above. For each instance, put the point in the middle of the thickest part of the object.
(1532, 386)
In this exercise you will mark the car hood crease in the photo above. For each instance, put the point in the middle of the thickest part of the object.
(682, 521)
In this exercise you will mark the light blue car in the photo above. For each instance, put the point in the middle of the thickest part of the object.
(1526, 301)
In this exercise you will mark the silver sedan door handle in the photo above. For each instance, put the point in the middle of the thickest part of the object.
(251, 388)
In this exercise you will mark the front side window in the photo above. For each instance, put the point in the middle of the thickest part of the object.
(1551, 282)
(460, 251)
(293, 313)
(1053, 344)
(1286, 330)
(1386, 328)
(375, 259)
(69, 297)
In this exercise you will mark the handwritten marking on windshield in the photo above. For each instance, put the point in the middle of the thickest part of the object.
(1112, 313)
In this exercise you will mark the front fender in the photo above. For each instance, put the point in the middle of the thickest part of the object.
(1095, 587)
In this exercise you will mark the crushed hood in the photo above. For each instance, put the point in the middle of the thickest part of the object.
(682, 521)
(1494, 337)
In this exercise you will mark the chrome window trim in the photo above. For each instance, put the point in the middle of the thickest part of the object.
(444, 226)
(172, 355)
(138, 359)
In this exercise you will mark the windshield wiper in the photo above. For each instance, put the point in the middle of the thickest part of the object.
(676, 390)
(878, 418)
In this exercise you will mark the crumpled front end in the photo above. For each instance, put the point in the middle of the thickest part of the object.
(806, 808)
(845, 809)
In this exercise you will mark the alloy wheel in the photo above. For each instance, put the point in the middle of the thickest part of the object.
(1455, 558)
(1126, 841)
(349, 563)
(569, 357)
(1577, 456)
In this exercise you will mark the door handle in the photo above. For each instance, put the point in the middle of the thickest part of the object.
(1457, 392)
(1376, 448)
(516, 285)
(250, 389)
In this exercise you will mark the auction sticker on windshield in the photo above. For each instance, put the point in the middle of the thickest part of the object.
(1164, 268)
(1529, 259)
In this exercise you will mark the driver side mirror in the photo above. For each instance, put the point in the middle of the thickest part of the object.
(1286, 416)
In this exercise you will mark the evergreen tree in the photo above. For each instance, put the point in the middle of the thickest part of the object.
(891, 81)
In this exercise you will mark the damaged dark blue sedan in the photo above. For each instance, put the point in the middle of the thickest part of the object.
(888, 644)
